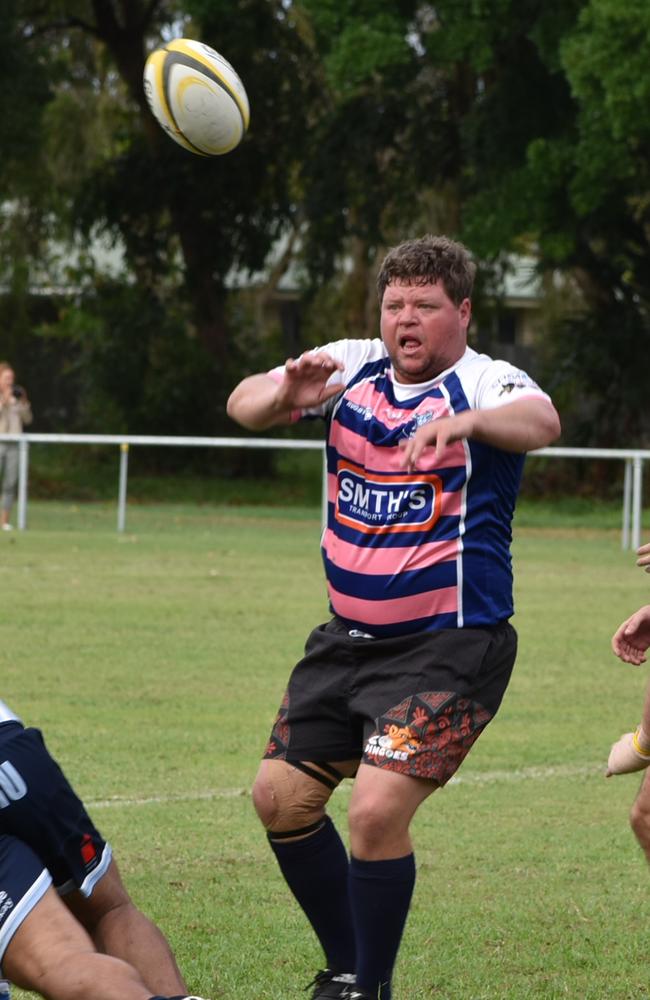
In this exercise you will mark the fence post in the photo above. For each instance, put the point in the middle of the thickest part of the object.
(636, 501)
(23, 465)
(121, 499)
(627, 504)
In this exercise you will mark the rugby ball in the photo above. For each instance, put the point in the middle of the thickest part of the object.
(196, 96)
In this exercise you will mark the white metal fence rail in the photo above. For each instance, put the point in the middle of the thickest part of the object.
(632, 482)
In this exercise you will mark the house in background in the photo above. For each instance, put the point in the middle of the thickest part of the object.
(510, 324)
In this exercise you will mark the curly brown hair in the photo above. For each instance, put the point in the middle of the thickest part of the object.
(426, 260)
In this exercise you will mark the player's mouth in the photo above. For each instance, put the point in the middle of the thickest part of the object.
(409, 344)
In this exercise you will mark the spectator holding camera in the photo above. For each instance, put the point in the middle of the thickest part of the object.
(15, 413)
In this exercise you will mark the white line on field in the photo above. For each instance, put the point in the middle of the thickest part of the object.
(125, 800)
(475, 778)
(529, 774)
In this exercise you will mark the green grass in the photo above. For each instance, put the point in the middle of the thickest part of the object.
(155, 661)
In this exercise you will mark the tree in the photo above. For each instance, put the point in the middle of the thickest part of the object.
(527, 123)
(508, 123)
(102, 164)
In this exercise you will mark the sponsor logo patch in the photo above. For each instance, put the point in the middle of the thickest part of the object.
(364, 411)
(407, 502)
(399, 743)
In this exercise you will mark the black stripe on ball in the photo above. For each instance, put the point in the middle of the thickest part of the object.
(174, 57)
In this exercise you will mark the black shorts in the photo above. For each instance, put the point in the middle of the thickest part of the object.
(39, 807)
(413, 704)
(23, 881)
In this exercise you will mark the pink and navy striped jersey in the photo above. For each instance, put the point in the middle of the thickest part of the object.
(412, 551)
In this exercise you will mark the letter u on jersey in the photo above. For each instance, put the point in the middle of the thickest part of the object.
(12, 786)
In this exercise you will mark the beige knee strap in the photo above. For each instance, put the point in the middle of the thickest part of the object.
(297, 795)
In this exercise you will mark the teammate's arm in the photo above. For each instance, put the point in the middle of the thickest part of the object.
(520, 426)
(630, 642)
(261, 401)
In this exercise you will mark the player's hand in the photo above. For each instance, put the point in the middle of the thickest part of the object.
(305, 381)
(643, 553)
(439, 434)
(632, 638)
(626, 756)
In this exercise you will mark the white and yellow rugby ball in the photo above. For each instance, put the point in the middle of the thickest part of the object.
(197, 97)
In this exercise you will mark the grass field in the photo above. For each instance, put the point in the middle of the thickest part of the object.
(154, 661)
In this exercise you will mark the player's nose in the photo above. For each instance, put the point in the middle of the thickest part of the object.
(407, 315)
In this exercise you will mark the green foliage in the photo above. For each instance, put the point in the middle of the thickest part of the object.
(136, 370)
(25, 89)
(606, 62)
(512, 124)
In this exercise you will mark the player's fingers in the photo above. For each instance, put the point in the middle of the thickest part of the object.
(618, 641)
(413, 448)
(410, 455)
(631, 654)
(331, 390)
(321, 361)
(442, 441)
(404, 451)
(620, 647)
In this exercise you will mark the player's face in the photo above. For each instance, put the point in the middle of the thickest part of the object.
(422, 329)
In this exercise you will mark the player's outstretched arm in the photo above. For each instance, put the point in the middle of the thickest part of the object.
(521, 426)
(630, 643)
(260, 401)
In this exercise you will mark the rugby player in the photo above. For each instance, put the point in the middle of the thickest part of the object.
(68, 928)
(426, 441)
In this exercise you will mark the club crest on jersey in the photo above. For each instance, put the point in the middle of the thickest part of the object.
(380, 503)
(513, 380)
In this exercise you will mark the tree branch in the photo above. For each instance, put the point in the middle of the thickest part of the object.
(63, 24)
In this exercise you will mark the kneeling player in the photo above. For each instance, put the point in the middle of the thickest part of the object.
(48, 842)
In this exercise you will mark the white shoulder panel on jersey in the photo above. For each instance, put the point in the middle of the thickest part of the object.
(489, 383)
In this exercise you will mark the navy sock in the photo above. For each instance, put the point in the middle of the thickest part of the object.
(380, 896)
(316, 871)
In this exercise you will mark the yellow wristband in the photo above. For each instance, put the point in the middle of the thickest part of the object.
(637, 745)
